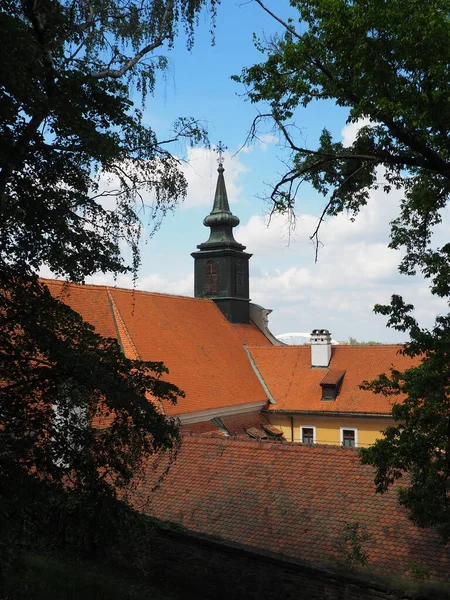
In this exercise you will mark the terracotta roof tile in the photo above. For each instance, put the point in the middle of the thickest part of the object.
(201, 349)
(90, 301)
(124, 337)
(287, 372)
(332, 377)
(200, 427)
(251, 335)
(294, 499)
(204, 355)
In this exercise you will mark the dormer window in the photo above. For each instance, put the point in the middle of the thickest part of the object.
(329, 392)
(331, 384)
(211, 278)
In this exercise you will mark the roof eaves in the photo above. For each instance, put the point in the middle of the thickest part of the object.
(210, 413)
(329, 413)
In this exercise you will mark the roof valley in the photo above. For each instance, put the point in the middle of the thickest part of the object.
(127, 344)
(123, 335)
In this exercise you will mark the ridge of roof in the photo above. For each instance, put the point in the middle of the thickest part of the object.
(275, 444)
(98, 286)
(350, 346)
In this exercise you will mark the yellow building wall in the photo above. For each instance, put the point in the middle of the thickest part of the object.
(328, 429)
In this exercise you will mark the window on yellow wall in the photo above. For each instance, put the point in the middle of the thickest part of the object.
(349, 437)
(308, 434)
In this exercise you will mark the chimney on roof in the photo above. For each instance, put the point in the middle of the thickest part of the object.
(320, 348)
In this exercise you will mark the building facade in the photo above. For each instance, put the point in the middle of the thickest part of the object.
(238, 378)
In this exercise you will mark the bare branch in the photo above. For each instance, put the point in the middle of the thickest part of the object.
(118, 73)
(274, 16)
(291, 177)
(402, 160)
(315, 236)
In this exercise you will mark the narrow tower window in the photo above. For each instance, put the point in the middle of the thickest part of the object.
(240, 278)
(211, 277)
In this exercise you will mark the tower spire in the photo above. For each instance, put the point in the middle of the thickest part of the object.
(221, 265)
(221, 220)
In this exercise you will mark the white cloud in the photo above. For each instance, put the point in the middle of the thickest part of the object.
(200, 170)
(355, 270)
(201, 175)
(152, 282)
(350, 130)
(265, 140)
(270, 236)
(371, 225)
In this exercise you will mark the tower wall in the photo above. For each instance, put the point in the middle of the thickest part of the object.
(231, 293)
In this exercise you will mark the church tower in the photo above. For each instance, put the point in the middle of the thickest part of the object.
(221, 265)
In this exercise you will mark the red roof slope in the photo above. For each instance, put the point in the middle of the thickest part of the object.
(90, 301)
(204, 354)
(287, 372)
(251, 334)
(291, 499)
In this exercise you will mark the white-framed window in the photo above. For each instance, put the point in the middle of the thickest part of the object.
(308, 434)
(349, 437)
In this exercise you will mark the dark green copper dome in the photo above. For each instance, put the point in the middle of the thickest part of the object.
(221, 220)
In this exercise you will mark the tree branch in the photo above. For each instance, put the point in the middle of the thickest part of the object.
(274, 16)
(160, 39)
(431, 158)
(21, 147)
(315, 235)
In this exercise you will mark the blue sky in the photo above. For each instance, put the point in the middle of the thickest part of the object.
(355, 269)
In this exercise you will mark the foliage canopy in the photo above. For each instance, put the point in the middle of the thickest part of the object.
(387, 63)
(68, 81)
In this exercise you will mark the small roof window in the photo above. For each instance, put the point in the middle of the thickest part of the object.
(273, 431)
(331, 384)
(257, 434)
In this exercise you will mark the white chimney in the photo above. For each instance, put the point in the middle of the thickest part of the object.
(320, 348)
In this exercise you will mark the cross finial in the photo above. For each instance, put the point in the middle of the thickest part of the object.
(220, 149)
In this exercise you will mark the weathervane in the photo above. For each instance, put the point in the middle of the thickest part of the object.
(220, 149)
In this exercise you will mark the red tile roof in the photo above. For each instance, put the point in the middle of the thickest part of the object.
(294, 385)
(292, 499)
(201, 427)
(203, 352)
(251, 335)
(90, 301)
(332, 377)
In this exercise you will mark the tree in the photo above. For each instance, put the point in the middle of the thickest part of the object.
(387, 63)
(66, 114)
(351, 341)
